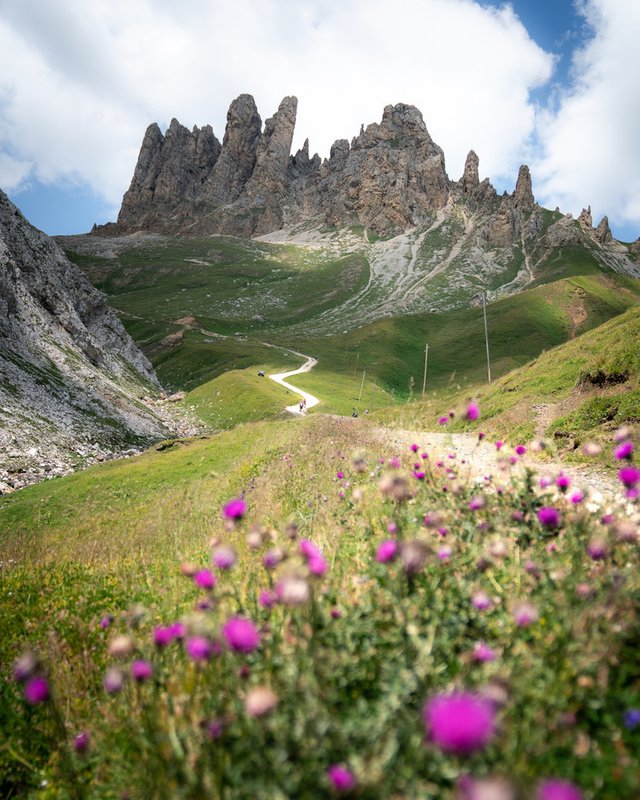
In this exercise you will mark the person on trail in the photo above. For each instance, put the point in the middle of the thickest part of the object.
(304, 404)
(301, 405)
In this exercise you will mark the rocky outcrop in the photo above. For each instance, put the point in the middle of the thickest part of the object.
(69, 373)
(470, 178)
(585, 219)
(523, 195)
(603, 232)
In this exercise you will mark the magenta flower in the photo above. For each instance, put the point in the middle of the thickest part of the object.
(444, 553)
(318, 565)
(198, 648)
(473, 412)
(342, 780)
(224, 557)
(241, 635)
(36, 690)
(214, 728)
(550, 517)
(525, 614)
(387, 551)
(272, 558)
(476, 503)
(629, 476)
(577, 497)
(419, 474)
(545, 481)
(443, 420)
(499, 445)
(235, 509)
(459, 723)
(81, 742)
(482, 652)
(624, 451)
(481, 601)
(414, 447)
(267, 599)
(521, 449)
(340, 474)
(178, 629)
(597, 549)
(141, 671)
(163, 636)
(563, 482)
(554, 789)
(313, 555)
(205, 579)
(106, 621)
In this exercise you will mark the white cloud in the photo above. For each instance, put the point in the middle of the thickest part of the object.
(590, 147)
(79, 82)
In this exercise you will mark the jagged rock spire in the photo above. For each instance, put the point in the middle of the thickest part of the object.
(523, 196)
(603, 231)
(470, 177)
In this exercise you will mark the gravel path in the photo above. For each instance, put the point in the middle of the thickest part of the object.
(281, 378)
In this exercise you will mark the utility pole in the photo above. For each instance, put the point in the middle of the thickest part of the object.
(424, 379)
(362, 386)
(486, 335)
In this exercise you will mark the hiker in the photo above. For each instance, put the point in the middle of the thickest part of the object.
(301, 406)
(261, 373)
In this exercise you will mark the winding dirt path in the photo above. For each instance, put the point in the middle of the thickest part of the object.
(281, 378)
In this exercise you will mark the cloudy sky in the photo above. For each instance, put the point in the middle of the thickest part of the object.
(551, 83)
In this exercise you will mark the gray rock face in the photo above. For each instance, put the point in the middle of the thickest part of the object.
(69, 372)
(585, 219)
(603, 231)
(523, 195)
(470, 178)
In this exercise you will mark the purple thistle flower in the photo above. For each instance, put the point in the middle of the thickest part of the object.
(36, 690)
(241, 635)
(597, 549)
(25, 667)
(476, 503)
(517, 516)
(629, 476)
(178, 629)
(342, 780)
(632, 718)
(81, 742)
(318, 565)
(563, 482)
(525, 614)
(214, 728)
(205, 579)
(235, 509)
(577, 497)
(272, 558)
(443, 420)
(459, 723)
(521, 449)
(550, 517)
(481, 601)
(624, 451)
(545, 481)
(499, 445)
(554, 789)
(224, 557)
(482, 652)
(414, 447)
(309, 549)
(106, 621)
(340, 474)
(198, 648)
(113, 680)
(387, 551)
(473, 412)
(163, 636)
(444, 553)
(141, 671)
(267, 599)
(419, 474)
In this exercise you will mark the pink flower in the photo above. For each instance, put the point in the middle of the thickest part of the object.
(224, 557)
(476, 503)
(241, 635)
(141, 671)
(521, 449)
(205, 579)
(629, 476)
(419, 474)
(414, 448)
(113, 680)
(473, 412)
(499, 445)
(340, 474)
(563, 482)
(36, 690)
(342, 780)
(597, 549)
(550, 517)
(525, 614)
(235, 509)
(313, 555)
(198, 648)
(163, 636)
(554, 789)
(444, 553)
(81, 742)
(481, 601)
(260, 700)
(267, 599)
(443, 420)
(577, 497)
(387, 551)
(624, 451)
(459, 723)
(482, 652)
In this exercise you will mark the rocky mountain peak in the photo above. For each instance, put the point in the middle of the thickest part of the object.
(470, 177)
(603, 231)
(585, 219)
(523, 196)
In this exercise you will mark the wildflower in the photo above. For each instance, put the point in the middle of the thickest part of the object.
(25, 667)
(550, 517)
(340, 474)
(224, 557)
(629, 476)
(81, 743)
(342, 780)
(432, 519)
(205, 579)
(395, 486)
(413, 555)
(632, 718)
(481, 601)
(482, 652)
(260, 700)
(178, 629)
(106, 621)
(336, 613)
(597, 549)
(141, 671)
(392, 528)
(443, 420)
(444, 553)
(313, 555)
(267, 599)
(387, 551)
(419, 474)
(477, 502)
(577, 497)
(525, 614)
(214, 728)
(292, 590)
(414, 448)
(198, 648)
(36, 690)
(113, 680)
(499, 445)
(163, 636)
(517, 516)
(472, 412)
(563, 482)
(235, 509)
(626, 531)
(584, 591)
(241, 635)
(554, 789)
(272, 558)
(459, 723)
(481, 436)
(624, 451)
(521, 449)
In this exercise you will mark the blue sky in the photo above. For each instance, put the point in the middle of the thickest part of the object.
(551, 83)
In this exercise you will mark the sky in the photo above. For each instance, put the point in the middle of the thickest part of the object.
(554, 84)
